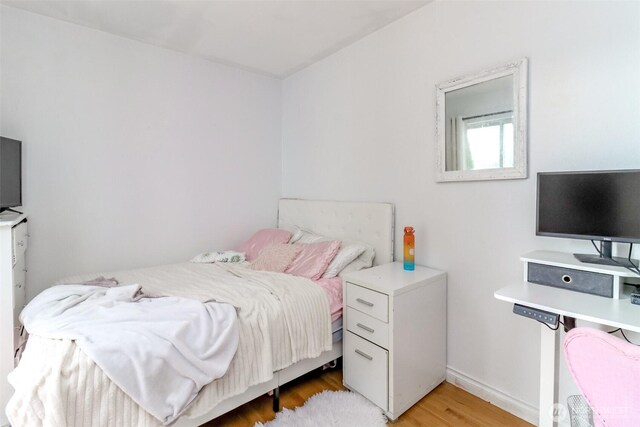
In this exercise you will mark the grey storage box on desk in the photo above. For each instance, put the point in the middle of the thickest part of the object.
(563, 270)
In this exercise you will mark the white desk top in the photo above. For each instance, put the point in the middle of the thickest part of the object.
(10, 219)
(619, 313)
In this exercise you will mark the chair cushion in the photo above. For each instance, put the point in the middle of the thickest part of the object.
(607, 371)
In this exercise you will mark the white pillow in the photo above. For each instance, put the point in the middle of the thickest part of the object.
(346, 255)
(363, 261)
(301, 236)
(226, 256)
(349, 253)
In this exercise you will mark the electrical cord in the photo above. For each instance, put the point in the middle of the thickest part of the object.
(625, 337)
(553, 329)
(560, 322)
(635, 269)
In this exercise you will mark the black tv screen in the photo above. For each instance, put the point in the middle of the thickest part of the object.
(10, 173)
(598, 205)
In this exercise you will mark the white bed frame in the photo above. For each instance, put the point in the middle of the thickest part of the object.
(371, 223)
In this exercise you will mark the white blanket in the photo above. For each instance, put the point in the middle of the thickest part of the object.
(283, 319)
(159, 351)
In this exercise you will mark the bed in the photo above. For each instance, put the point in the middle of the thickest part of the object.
(90, 393)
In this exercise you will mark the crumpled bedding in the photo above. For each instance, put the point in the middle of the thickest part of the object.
(282, 319)
(159, 351)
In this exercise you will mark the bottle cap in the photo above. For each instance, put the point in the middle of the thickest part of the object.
(409, 230)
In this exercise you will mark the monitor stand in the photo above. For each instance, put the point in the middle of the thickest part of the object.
(10, 210)
(606, 258)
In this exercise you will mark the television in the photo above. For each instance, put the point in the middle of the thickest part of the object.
(10, 173)
(594, 205)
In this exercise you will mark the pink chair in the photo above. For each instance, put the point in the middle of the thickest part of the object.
(607, 371)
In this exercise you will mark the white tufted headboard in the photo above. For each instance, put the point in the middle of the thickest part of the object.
(371, 223)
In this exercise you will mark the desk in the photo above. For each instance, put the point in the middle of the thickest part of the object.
(617, 313)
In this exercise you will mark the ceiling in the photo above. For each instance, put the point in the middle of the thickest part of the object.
(272, 37)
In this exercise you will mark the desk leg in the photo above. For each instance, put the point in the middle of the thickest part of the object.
(548, 369)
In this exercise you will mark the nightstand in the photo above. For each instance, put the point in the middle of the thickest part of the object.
(395, 344)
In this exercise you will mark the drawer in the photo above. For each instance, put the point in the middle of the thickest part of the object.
(366, 369)
(368, 327)
(19, 235)
(19, 291)
(568, 278)
(367, 301)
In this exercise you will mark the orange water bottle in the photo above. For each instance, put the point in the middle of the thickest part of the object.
(409, 246)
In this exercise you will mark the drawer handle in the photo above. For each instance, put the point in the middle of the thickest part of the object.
(363, 354)
(567, 279)
(367, 303)
(366, 328)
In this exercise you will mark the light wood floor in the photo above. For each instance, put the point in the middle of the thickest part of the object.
(447, 405)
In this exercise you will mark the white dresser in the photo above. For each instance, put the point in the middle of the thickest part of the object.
(13, 244)
(395, 346)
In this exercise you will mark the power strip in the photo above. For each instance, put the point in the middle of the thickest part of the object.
(536, 314)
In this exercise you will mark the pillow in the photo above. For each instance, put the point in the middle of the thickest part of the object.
(301, 236)
(261, 239)
(277, 257)
(347, 254)
(313, 259)
(226, 256)
(363, 261)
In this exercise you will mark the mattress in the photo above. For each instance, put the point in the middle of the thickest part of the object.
(336, 330)
(287, 314)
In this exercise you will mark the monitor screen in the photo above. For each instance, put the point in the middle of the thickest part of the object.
(10, 173)
(599, 205)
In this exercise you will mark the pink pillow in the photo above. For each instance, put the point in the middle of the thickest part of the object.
(276, 257)
(261, 239)
(313, 259)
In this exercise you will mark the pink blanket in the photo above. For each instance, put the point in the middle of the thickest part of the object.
(333, 288)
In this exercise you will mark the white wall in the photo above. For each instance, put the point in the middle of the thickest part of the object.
(133, 155)
(360, 125)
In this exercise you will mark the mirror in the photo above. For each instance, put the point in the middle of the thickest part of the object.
(482, 125)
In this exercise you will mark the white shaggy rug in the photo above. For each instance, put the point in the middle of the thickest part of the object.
(331, 409)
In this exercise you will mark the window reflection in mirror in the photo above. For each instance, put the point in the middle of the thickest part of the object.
(480, 126)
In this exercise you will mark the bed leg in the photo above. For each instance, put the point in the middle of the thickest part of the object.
(330, 365)
(276, 399)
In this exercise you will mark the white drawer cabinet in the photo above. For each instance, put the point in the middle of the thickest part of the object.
(395, 345)
(13, 245)
(368, 327)
(19, 288)
(375, 304)
(368, 369)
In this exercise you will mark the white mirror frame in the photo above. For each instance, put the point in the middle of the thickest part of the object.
(518, 69)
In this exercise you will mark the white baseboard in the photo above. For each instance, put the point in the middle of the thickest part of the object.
(496, 397)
